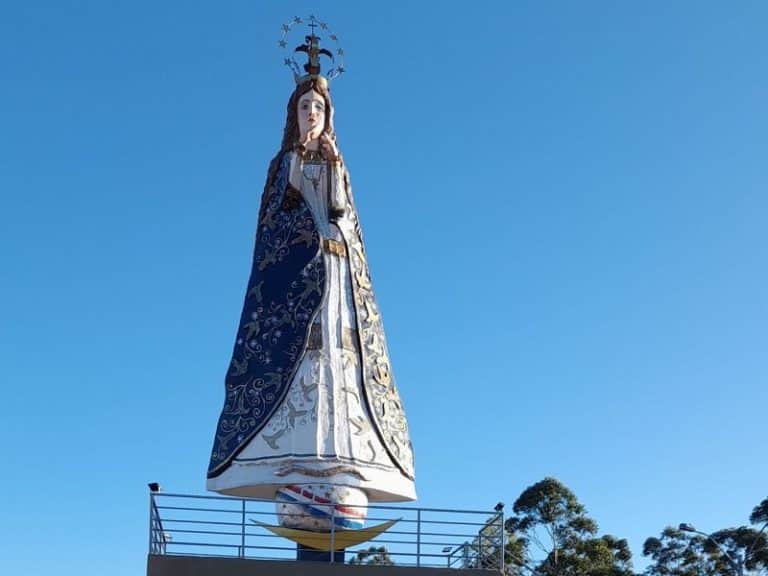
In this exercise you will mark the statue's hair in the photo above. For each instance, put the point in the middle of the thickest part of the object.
(291, 130)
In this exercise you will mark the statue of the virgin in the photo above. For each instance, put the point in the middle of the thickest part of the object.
(311, 410)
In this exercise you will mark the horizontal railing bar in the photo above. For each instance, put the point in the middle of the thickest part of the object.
(371, 518)
(289, 548)
(210, 522)
(491, 550)
(311, 516)
(231, 546)
(425, 521)
(239, 533)
(372, 506)
(205, 497)
(386, 539)
(251, 534)
(203, 532)
(413, 533)
(230, 556)
(406, 521)
(252, 512)
(198, 509)
(455, 535)
(439, 543)
(203, 544)
(454, 523)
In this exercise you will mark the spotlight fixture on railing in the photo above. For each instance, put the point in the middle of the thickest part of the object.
(154, 487)
(499, 507)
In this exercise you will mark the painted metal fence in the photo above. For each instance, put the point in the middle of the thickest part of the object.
(190, 525)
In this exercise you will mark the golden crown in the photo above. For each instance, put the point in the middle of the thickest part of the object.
(311, 47)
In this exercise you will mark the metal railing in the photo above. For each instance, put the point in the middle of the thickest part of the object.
(191, 525)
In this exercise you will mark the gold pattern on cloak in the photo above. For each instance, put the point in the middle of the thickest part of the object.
(383, 399)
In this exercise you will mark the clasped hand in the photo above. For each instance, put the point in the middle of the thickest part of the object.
(327, 144)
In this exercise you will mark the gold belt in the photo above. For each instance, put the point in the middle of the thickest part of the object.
(334, 247)
(348, 338)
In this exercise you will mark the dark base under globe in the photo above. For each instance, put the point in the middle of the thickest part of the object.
(306, 554)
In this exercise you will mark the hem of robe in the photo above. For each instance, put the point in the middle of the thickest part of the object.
(246, 479)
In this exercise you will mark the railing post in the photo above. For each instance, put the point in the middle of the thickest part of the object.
(333, 531)
(151, 513)
(242, 531)
(418, 537)
(480, 549)
(501, 551)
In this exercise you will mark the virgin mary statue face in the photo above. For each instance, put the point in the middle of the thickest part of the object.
(311, 115)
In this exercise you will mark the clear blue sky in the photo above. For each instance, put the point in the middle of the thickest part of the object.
(564, 205)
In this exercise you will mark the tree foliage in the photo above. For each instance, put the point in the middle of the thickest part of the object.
(675, 553)
(552, 535)
(373, 557)
(760, 513)
(728, 552)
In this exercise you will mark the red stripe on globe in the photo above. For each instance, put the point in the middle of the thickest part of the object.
(316, 507)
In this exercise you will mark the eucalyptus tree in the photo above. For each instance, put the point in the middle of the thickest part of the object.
(551, 534)
(686, 551)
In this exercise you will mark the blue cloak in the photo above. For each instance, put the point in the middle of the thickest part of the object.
(285, 292)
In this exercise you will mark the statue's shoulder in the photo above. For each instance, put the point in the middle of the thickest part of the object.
(281, 162)
(277, 174)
